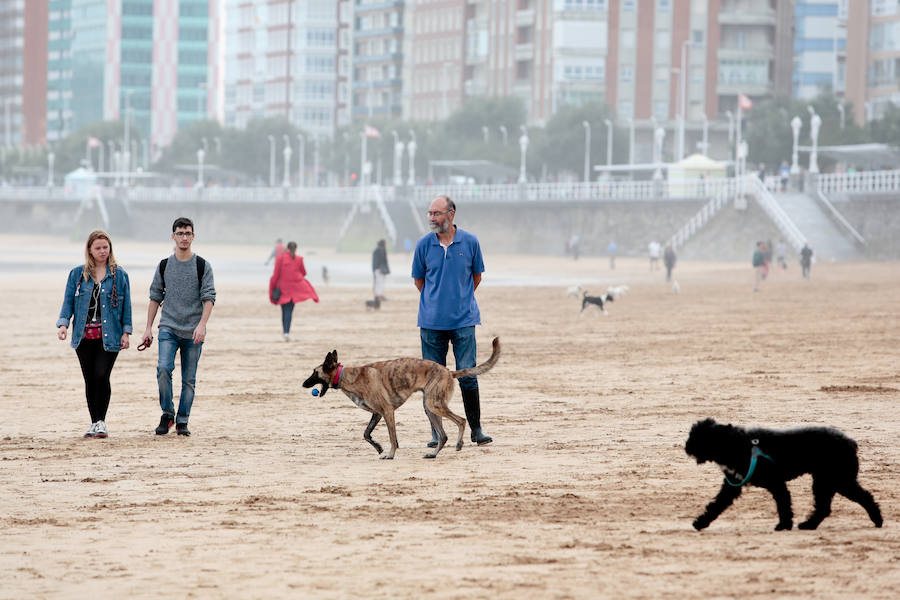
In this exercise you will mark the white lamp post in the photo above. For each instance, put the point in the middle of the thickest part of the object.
(201, 153)
(113, 168)
(631, 140)
(523, 148)
(705, 135)
(796, 124)
(145, 153)
(484, 133)
(659, 136)
(50, 158)
(840, 107)
(503, 131)
(398, 159)
(286, 182)
(730, 116)
(301, 161)
(411, 148)
(271, 161)
(815, 122)
(609, 141)
(587, 151)
(682, 99)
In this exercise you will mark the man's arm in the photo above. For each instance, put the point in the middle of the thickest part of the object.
(152, 309)
(420, 283)
(200, 330)
(476, 279)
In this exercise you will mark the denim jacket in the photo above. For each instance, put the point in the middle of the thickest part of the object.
(116, 319)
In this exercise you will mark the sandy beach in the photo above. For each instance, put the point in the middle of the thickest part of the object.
(586, 491)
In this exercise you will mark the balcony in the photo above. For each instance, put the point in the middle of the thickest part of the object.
(525, 17)
(525, 51)
(748, 89)
(361, 9)
(382, 31)
(378, 58)
(750, 16)
(757, 52)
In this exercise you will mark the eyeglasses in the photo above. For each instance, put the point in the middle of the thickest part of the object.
(437, 213)
(185, 234)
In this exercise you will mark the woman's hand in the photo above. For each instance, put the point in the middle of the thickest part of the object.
(61, 333)
(126, 341)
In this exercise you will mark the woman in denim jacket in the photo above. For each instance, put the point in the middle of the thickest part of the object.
(98, 296)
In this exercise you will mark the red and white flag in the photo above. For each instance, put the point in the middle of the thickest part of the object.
(744, 102)
(372, 132)
(93, 142)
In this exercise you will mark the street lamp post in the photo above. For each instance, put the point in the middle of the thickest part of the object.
(682, 99)
(840, 107)
(815, 122)
(705, 135)
(796, 124)
(523, 148)
(630, 140)
(398, 159)
(730, 116)
(587, 151)
(201, 154)
(503, 131)
(271, 161)
(609, 142)
(145, 153)
(484, 133)
(286, 182)
(659, 136)
(112, 164)
(411, 148)
(301, 173)
(50, 158)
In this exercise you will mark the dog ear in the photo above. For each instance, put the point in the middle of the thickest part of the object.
(330, 361)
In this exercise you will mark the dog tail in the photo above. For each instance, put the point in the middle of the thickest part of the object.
(483, 367)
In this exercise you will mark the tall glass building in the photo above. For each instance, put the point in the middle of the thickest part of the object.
(155, 59)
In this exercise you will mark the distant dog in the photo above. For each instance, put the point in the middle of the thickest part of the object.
(574, 290)
(383, 387)
(325, 274)
(617, 291)
(373, 304)
(596, 301)
(767, 459)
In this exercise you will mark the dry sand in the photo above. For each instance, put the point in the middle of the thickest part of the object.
(586, 491)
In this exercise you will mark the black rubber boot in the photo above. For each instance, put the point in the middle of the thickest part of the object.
(472, 404)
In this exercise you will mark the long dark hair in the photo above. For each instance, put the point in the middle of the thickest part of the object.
(292, 249)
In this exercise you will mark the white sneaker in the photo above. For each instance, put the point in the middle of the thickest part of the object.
(287, 338)
(92, 431)
(101, 430)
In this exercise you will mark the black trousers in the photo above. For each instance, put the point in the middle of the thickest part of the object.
(96, 367)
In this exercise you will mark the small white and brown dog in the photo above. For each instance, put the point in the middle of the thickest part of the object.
(574, 290)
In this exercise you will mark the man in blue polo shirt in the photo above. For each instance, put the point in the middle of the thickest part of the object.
(447, 268)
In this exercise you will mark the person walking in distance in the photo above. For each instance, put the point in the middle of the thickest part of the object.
(289, 285)
(380, 270)
(446, 269)
(759, 265)
(183, 285)
(669, 259)
(806, 260)
(98, 302)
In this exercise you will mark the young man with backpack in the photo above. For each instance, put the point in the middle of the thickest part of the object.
(183, 285)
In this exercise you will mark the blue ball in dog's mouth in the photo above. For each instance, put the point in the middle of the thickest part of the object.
(315, 391)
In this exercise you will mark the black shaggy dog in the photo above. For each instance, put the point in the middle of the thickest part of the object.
(767, 459)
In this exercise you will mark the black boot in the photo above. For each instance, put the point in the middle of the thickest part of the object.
(472, 404)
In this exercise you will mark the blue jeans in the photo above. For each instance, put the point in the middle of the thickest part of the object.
(169, 343)
(435, 343)
(287, 311)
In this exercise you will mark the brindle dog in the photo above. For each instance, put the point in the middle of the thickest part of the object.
(383, 387)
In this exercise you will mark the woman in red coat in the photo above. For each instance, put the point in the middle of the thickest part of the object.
(289, 279)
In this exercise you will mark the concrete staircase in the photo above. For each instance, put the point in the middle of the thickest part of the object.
(825, 238)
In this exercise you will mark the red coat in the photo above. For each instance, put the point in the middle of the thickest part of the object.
(290, 277)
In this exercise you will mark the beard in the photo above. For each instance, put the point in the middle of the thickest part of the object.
(439, 227)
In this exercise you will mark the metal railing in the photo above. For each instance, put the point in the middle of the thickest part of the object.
(703, 216)
(782, 221)
(840, 218)
(861, 182)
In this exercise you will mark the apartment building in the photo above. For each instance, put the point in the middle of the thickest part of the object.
(23, 72)
(281, 60)
(873, 57)
(820, 38)
(378, 57)
(156, 60)
(434, 43)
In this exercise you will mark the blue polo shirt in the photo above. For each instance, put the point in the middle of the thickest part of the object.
(447, 300)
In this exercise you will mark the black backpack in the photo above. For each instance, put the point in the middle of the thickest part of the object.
(201, 269)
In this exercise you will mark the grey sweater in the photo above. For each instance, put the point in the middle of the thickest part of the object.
(182, 302)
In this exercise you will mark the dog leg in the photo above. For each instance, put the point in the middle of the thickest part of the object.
(368, 433)
(726, 496)
(782, 498)
(437, 430)
(858, 494)
(392, 432)
(823, 492)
